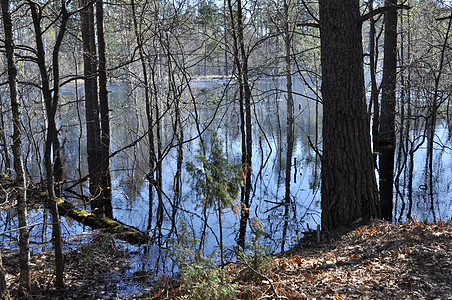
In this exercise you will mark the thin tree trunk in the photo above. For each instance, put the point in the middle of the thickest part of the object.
(241, 63)
(373, 57)
(180, 158)
(51, 105)
(433, 117)
(290, 121)
(387, 136)
(220, 226)
(226, 68)
(159, 171)
(409, 112)
(24, 256)
(402, 154)
(4, 293)
(149, 112)
(5, 153)
(104, 145)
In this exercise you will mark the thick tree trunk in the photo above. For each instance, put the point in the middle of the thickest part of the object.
(93, 138)
(104, 114)
(349, 190)
(386, 141)
(24, 257)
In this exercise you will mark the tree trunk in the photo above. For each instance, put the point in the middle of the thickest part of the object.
(349, 190)
(4, 294)
(149, 111)
(24, 256)
(93, 138)
(104, 114)
(290, 120)
(386, 142)
(431, 121)
(51, 104)
(241, 64)
(5, 154)
(373, 58)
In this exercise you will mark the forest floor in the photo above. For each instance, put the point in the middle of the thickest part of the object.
(375, 261)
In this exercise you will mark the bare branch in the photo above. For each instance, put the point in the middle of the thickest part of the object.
(381, 10)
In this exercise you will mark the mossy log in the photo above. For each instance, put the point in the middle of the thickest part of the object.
(85, 217)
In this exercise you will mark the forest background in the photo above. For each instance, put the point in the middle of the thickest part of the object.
(206, 125)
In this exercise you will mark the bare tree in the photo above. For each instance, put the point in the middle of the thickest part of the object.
(24, 279)
(241, 65)
(51, 99)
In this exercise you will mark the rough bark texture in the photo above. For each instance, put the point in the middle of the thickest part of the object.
(349, 190)
(24, 257)
(91, 107)
(387, 139)
(104, 114)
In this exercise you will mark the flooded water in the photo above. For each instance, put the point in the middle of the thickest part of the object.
(131, 188)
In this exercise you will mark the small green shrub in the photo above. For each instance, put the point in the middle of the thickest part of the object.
(256, 258)
(205, 280)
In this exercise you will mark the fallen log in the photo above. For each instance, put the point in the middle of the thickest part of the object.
(121, 231)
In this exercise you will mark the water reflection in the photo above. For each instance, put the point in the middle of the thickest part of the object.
(130, 166)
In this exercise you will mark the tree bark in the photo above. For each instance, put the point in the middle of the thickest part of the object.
(375, 91)
(104, 145)
(4, 294)
(52, 166)
(93, 137)
(349, 190)
(24, 256)
(290, 120)
(5, 154)
(387, 138)
(241, 64)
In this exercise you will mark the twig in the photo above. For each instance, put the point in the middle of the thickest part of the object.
(19, 228)
(263, 276)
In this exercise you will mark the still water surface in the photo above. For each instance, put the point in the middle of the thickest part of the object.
(129, 168)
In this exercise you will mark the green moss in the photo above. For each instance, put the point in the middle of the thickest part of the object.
(109, 225)
(110, 222)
